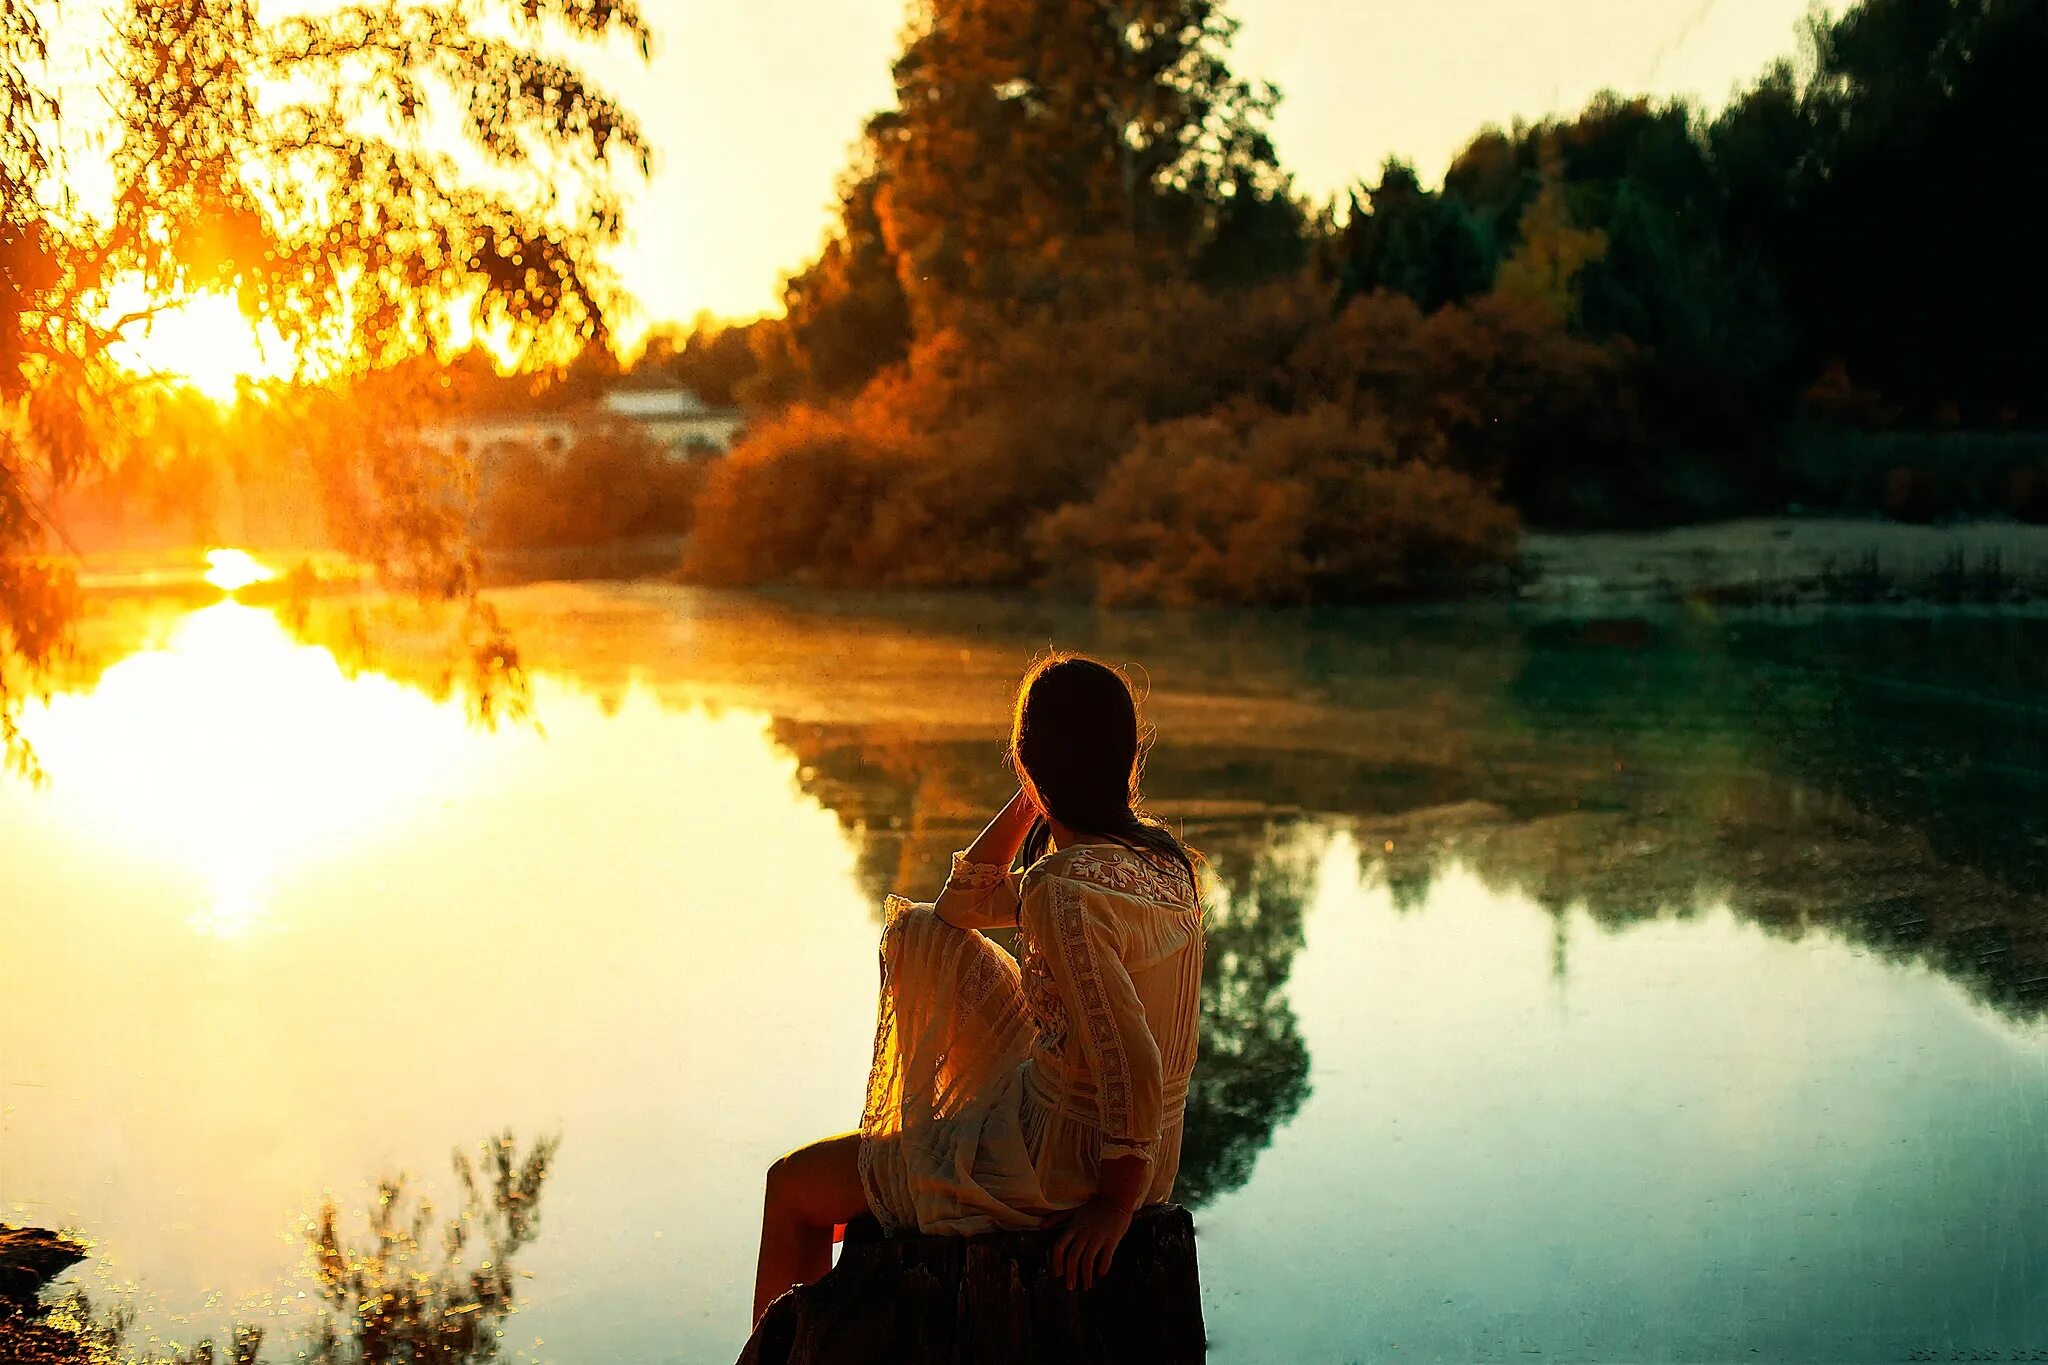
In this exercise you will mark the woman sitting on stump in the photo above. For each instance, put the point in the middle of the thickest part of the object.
(1007, 1096)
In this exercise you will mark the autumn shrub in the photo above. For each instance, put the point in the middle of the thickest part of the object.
(934, 474)
(796, 500)
(1180, 444)
(1498, 388)
(1248, 506)
(610, 485)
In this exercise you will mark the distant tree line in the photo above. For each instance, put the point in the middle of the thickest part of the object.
(1074, 329)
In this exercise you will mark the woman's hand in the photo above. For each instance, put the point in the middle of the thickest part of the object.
(1088, 1241)
(1023, 806)
(1000, 839)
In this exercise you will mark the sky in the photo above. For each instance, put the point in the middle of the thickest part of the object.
(752, 106)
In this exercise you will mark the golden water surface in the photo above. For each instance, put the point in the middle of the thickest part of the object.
(1617, 991)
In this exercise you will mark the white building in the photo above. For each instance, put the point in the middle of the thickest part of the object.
(675, 421)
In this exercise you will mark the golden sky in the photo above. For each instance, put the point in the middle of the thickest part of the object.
(751, 105)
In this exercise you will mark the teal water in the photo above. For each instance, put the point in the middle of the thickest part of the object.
(1661, 988)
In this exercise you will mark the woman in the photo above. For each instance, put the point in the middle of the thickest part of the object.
(1008, 1096)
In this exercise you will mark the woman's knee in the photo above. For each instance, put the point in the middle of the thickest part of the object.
(810, 1185)
(909, 929)
(778, 1181)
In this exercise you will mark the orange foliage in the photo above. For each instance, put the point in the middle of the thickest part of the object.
(795, 502)
(609, 485)
(1498, 388)
(934, 474)
(1253, 507)
(1174, 444)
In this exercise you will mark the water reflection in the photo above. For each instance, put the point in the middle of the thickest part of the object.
(1252, 1073)
(232, 753)
(1441, 845)
(1884, 777)
(416, 1287)
(423, 1291)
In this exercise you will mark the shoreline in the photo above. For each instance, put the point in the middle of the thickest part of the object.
(1748, 562)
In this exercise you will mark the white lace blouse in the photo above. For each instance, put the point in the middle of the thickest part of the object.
(998, 1086)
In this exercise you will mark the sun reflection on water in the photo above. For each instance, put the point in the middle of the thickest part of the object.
(233, 570)
(238, 755)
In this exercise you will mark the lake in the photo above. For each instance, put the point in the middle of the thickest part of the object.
(1660, 987)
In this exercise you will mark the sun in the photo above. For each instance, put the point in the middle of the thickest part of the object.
(204, 341)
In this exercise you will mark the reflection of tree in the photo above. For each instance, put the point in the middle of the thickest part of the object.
(907, 804)
(1933, 722)
(413, 1292)
(1876, 776)
(1252, 1072)
(1879, 777)
(1632, 769)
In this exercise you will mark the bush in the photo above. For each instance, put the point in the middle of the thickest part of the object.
(933, 474)
(1499, 389)
(1252, 507)
(795, 501)
(611, 485)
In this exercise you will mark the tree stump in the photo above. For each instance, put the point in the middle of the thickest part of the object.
(29, 1259)
(991, 1300)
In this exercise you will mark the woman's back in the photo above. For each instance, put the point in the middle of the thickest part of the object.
(1112, 974)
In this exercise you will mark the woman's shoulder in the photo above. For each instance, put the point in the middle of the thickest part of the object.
(1116, 869)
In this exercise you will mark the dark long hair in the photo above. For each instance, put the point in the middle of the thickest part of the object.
(1077, 743)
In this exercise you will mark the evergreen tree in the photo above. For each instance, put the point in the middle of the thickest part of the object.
(1427, 246)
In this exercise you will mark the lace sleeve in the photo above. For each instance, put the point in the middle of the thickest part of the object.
(978, 895)
(1080, 944)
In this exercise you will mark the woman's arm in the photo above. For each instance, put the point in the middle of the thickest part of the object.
(1002, 836)
(981, 893)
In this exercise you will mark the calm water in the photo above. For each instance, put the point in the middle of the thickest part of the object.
(1623, 990)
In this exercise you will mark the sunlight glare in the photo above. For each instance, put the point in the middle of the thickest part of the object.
(204, 341)
(241, 756)
(233, 570)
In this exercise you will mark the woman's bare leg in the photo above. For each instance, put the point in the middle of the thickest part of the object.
(812, 1193)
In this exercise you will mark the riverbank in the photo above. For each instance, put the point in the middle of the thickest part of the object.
(1788, 561)
(1780, 561)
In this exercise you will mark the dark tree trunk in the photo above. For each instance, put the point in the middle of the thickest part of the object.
(991, 1300)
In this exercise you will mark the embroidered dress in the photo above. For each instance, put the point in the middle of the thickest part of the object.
(998, 1086)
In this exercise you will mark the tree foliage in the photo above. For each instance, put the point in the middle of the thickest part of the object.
(1551, 251)
(372, 182)
(1249, 507)
(1628, 315)
(1029, 137)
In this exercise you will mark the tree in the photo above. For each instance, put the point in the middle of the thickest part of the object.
(371, 181)
(1427, 246)
(1552, 251)
(1907, 252)
(845, 317)
(1035, 140)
